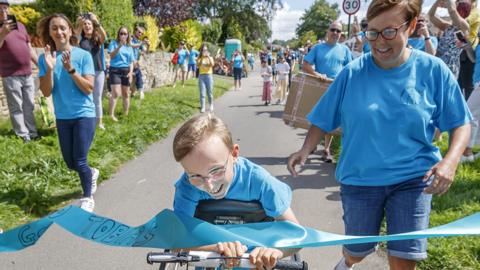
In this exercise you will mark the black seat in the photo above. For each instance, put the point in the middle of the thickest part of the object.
(227, 211)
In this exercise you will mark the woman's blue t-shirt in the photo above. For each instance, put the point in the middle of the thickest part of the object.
(124, 58)
(388, 117)
(182, 56)
(238, 61)
(250, 182)
(69, 101)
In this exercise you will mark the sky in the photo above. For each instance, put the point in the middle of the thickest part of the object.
(286, 20)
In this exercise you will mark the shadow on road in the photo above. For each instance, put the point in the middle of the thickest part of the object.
(272, 114)
(314, 175)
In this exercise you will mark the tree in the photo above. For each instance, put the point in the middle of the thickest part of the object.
(113, 14)
(167, 12)
(212, 31)
(189, 31)
(318, 18)
(251, 16)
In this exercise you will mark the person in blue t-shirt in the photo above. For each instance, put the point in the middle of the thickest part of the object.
(121, 70)
(66, 72)
(388, 104)
(329, 58)
(421, 38)
(214, 170)
(182, 62)
(237, 63)
(192, 62)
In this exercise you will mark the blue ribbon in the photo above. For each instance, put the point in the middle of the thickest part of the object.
(168, 230)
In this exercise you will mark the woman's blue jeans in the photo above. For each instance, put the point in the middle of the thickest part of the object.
(75, 137)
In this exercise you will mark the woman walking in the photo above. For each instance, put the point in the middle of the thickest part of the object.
(388, 111)
(205, 64)
(237, 62)
(121, 70)
(92, 38)
(67, 73)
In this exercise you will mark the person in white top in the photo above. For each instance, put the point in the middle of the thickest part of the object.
(266, 73)
(283, 69)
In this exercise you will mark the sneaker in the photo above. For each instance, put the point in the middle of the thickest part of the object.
(101, 126)
(467, 159)
(202, 110)
(87, 204)
(95, 175)
(341, 265)
(142, 95)
(211, 107)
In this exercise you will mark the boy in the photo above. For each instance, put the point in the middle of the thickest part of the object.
(283, 69)
(214, 170)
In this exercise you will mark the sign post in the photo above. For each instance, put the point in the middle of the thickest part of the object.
(350, 7)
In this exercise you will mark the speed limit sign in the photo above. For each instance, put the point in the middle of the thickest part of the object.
(351, 6)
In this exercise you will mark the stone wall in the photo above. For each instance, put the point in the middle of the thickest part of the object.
(156, 69)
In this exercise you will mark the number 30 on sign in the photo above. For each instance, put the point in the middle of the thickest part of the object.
(351, 7)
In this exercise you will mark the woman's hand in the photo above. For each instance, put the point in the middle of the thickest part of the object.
(265, 257)
(444, 174)
(297, 158)
(66, 60)
(231, 249)
(50, 58)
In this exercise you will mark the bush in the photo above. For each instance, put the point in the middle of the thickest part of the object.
(190, 31)
(27, 16)
(211, 32)
(113, 14)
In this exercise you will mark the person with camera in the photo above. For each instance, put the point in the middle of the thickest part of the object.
(421, 38)
(140, 46)
(92, 38)
(121, 70)
(237, 63)
(447, 49)
(16, 53)
(205, 64)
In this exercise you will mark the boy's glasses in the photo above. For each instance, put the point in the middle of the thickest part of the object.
(214, 174)
(387, 33)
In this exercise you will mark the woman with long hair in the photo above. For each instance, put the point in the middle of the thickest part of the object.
(205, 64)
(121, 70)
(66, 72)
(92, 38)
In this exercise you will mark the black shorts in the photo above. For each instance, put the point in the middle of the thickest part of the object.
(237, 73)
(119, 76)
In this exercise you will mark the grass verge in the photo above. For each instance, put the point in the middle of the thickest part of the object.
(35, 181)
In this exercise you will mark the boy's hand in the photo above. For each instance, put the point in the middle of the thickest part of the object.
(231, 249)
(265, 257)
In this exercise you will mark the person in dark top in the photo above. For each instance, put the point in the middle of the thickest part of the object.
(92, 38)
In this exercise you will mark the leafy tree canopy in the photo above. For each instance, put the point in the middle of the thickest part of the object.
(317, 18)
(167, 12)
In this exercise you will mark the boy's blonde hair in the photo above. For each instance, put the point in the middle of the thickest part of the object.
(195, 130)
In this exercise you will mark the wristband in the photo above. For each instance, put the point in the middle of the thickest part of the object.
(71, 71)
(427, 38)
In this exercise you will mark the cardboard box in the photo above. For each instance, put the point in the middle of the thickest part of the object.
(305, 91)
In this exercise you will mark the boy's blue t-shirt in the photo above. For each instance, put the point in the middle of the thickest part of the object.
(238, 61)
(124, 57)
(250, 182)
(329, 59)
(182, 56)
(69, 101)
(388, 117)
(419, 43)
(136, 51)
(192, 59)
(476, 69)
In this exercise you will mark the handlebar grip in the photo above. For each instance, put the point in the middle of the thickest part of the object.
(160, 257)
(291, 265)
